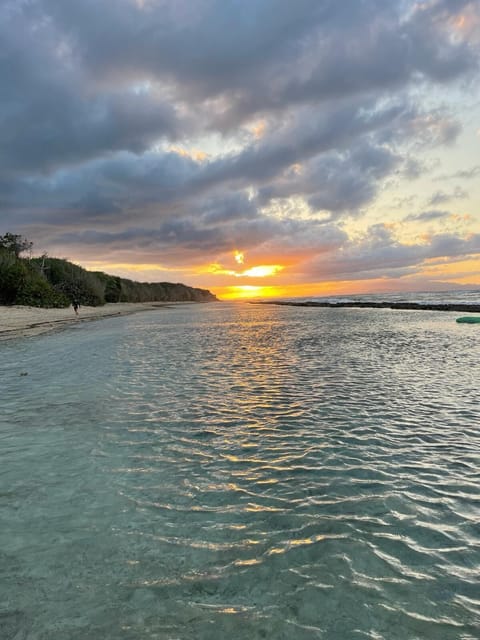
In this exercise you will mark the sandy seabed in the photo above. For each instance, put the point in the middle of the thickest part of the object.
(18, 321)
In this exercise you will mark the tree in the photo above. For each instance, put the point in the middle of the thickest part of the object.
(15, 243)
(13, 275)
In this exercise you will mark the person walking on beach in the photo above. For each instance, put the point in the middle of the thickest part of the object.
(75, 307)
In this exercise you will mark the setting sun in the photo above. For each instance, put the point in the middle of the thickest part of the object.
(243, 292)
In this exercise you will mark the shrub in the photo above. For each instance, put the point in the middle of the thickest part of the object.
(72, 281)
(36, 291)
(52, 282)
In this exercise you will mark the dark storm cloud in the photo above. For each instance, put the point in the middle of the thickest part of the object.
(227, 207)
(336, 182)
(52, 114)
(123, 181)
(69, 71)
(339, 180)
(306, 134)
(92, 94)
(262, 55)
(360, 47)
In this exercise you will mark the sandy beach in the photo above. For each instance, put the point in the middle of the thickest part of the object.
(18, 321)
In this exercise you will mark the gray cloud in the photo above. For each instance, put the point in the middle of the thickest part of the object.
(52, 114)
(463, 174)
(87, 78)
(336, 182)
(379, 253)
(225, 208)
(427, 216)
(263, 54)
(439, 197)
(188, 239)
(341, 179)
(93, 93)
(306, 134)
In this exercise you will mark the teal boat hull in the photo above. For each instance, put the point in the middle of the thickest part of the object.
(470, 319)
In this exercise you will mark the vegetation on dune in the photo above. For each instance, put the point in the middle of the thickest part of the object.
(53, 282)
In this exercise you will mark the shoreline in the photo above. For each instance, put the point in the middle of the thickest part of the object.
(25, 322)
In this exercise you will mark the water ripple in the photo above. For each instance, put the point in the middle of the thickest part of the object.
(264, 472)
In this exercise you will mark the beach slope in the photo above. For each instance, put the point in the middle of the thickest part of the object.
(19, 321)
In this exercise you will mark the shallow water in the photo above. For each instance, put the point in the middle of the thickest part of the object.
(229, 470)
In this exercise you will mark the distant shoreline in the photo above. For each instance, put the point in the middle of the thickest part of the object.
(23, 322)
(412, 306)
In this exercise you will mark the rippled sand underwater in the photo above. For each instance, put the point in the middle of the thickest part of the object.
(238, 471)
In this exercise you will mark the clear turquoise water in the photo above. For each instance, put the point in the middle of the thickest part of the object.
(236, 471)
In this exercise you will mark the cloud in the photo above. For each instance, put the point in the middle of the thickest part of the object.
(186, 240)
(428, 216)
(463, 174)
(98, 78)
(183, 130)
(335, 141)
(337, 181)
(227, 207)
(52, 114)
(439, 197)
(379, 254)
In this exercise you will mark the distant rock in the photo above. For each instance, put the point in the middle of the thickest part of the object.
(413, 306)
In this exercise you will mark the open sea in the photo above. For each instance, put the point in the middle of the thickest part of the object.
(232, 471)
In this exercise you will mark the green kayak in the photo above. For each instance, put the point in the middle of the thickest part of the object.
(469, 319)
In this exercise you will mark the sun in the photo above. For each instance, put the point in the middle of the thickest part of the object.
(255, 292)
(245, 292)
(239, 257)
(239, 271)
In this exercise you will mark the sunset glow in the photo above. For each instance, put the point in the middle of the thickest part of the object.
(292, 167)
(262, 271)
(259, 271)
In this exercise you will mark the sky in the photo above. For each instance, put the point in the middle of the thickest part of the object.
(252, 147)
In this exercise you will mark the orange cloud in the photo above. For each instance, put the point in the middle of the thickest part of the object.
(124, 267)
(262, 271)
(461, 272)
(259, 271)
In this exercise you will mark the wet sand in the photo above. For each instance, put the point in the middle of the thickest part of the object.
(18, 321)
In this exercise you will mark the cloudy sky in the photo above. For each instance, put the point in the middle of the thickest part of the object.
(252, 147)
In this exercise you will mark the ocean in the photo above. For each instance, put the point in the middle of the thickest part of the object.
(242, 471)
